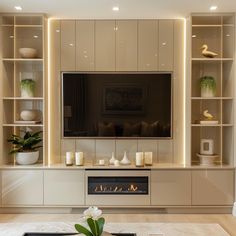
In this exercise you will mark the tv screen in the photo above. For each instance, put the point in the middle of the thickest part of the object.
(117, 105)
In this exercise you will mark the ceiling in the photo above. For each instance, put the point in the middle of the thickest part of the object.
(102, 9)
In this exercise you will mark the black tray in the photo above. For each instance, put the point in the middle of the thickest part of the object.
(64, 234)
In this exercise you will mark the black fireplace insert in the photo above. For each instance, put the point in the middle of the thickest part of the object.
(135, 185)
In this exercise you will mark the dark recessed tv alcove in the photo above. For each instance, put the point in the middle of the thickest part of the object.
(118, 105)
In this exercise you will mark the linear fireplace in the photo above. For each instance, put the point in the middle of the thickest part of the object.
(117, 187)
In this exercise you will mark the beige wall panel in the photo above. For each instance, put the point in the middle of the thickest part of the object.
(178, 91)
(64, 187)
(105, 45)
(212, 187)
(104, 149)
(85, 45)
(170, 187)
(126, 45)
(147, 45)
(67, 145)
(22, 187)
(54, 93)
(166, 38)
(87, 146)
(68, 45)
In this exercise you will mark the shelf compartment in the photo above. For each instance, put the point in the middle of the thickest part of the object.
(228, 41)
(29, 37)
(211, 36)
(8, 79)
(228, 79)
(8, 41)
(205, 69)
(199, 133)
(198, 106)
(228, 145)
(18, 130)
(29, 71)
(227, 112)
(29, 20)
(206, 20)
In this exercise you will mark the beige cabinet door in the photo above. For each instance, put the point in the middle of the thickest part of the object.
(170, 187)
(22, 187)
(85, 45)
(166, 42)
(126, 45)
(68, 45)
(212, 187)
(64, 187)
(148, 45)
(105, 45)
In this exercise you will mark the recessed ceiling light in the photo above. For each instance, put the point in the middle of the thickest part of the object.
(36, 36)
(194, 36)
(213, 8)
(18, 8)
(115, 8)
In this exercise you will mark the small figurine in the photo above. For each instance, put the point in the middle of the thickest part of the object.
(208, 119)
(207, 53)
(208, 115)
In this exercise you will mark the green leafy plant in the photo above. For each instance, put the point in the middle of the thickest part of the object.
(27, 143)
(95, 222)
(208, 82)
(28, 85)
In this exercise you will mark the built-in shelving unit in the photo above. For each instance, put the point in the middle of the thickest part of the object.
(22, 31)
(217, 31)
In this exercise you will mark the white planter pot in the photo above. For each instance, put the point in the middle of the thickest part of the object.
(207, 93)
(27, 158)
(27, 93)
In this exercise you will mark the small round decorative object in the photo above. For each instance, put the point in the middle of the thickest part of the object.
(28, 52)
(28, 115)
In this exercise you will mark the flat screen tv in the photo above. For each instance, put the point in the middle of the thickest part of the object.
(118, 105)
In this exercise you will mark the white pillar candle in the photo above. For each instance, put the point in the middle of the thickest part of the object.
(116, 163)
(79, 158)
(101, 162)
(139, 161)
(148, 158)
(69, 158)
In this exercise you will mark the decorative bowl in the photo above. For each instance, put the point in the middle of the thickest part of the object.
(28, 115)
(28, 52)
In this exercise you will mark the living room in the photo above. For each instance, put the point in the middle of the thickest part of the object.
(127, 106)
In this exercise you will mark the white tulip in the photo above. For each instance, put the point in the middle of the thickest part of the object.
(92, 212)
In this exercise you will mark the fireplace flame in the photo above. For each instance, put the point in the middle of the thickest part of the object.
(101, 188)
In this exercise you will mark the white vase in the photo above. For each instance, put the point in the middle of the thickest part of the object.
(27, 158)
(28, 115)
(125, 160)
(207, 93)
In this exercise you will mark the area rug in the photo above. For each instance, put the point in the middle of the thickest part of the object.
(141, 229)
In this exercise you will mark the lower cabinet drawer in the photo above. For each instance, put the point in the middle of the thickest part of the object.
(212, 187)
(170, 187)
(64, 187)
(22, 187)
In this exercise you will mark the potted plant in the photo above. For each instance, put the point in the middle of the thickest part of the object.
(26, 147)
(27, 87)
(208, 86)
(94, 221)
